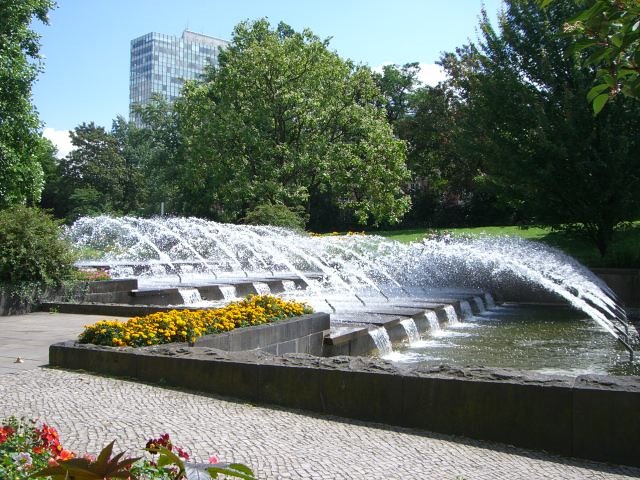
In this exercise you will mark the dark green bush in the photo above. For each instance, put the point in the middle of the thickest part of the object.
(32, 250)
(277, 215)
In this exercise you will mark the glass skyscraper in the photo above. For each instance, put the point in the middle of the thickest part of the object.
(161, 63)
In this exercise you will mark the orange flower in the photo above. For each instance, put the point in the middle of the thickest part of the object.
(65, 455)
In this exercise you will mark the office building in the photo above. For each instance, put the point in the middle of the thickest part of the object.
(160, 64)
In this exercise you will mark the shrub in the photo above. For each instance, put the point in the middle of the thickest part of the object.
(31, 249)
(187, 325)
(277, 215)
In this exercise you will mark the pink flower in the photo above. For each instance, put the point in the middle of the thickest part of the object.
(213, 459)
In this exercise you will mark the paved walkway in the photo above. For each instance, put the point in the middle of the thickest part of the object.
(90, 411)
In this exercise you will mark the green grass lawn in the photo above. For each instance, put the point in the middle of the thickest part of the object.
(624, 251)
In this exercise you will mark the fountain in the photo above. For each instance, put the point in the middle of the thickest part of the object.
(352, 276)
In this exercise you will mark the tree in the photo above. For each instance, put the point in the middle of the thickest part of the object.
(163, 166)
(95, 173)
(609, 30)
(527, 124)
(135, 148)
(21, 175)
(397, 85)
(283, 120)
(443, 188)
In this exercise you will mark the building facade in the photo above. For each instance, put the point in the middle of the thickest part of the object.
(161, 63)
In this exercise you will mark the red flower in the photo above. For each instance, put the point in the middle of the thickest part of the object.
(154, 444)
(5, 433)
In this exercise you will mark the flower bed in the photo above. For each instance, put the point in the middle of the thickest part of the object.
(188, 325)
(29, 450)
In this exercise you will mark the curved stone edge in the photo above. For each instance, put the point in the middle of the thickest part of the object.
(592, 417)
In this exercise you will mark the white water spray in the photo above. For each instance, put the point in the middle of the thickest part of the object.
(358, 266)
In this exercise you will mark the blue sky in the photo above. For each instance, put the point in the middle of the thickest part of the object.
(86, 44)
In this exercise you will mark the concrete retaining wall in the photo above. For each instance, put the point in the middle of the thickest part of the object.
(304, 334)
(625, 282)
(12, 305)
(588, 417)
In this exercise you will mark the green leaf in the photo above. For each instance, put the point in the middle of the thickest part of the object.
(167, 457)
(241, 467)
(596, 9)
(599, 102)
(595, 91)
(232, 472)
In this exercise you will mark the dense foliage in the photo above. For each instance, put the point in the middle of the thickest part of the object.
(21, 146)
(285, 120)
(276, 215)
(31, 249)
(527, 126)
(188, 325)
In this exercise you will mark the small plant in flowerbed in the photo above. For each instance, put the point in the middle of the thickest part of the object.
(92, 275)
(188, 325)
(29, 450)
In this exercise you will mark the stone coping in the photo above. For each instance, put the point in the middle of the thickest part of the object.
(593, 417)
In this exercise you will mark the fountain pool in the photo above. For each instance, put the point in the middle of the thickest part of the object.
(545, 339)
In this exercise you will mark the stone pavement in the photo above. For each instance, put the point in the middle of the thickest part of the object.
(29, 336)
(90, 411)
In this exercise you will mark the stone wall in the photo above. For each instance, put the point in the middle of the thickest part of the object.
(625, 282)
(592, 417)
(13, 305)
(304, 334)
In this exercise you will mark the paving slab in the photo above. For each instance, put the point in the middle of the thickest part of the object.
(29, 336)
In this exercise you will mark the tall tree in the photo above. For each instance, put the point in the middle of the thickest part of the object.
(94, 173)
(529, 127)
(21, 174)
(134, 146)
(284, 120)
(163, 167)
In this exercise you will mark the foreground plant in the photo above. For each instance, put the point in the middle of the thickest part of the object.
(188, 325)
(31, 451)
(26, 448)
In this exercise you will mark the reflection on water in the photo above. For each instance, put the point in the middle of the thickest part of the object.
(544, 339)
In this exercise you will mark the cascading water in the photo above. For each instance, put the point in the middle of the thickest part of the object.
(262, 288)
(289, 285)
(452, 316)
(479, 304)
(488, 298)
(411, 330)
(465, 309)
(381, 340)
(345, 271)
(228, 292)
(434, 324)
(190, 296)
